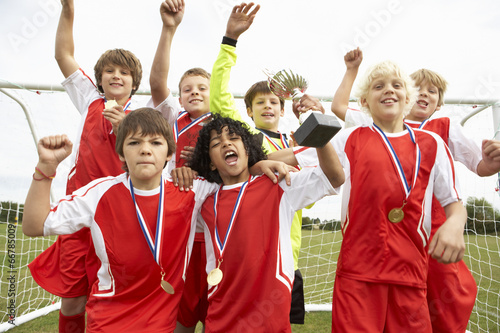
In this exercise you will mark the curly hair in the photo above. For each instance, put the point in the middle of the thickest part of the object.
(201, 161)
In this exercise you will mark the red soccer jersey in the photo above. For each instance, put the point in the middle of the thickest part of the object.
(257, 265)
(186, 134)
(373, 248)
(94, 150)
(127, 296)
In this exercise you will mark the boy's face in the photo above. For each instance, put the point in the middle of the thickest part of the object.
(427, 102)
(145, 157)
(195, 95)
(117, 83)
(229, 156)
(266, 111)
(386, 99)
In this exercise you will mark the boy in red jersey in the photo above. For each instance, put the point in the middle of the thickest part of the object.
(142, 226)
(265, 109)
(451, 289)
(247, 228)
(118, 75)
(194, 99)
(380, 283)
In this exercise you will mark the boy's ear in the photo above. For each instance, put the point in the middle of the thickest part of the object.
(122, 158)
(180, 101)
(282, 112)
(438, 108)
(169, 156)
(212, 167)
(250, 112)
(363, 102)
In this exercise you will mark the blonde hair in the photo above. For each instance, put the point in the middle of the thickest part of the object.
(426, 75)
(383, 69)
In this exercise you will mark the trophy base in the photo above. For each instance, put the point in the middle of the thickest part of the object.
(317, 130)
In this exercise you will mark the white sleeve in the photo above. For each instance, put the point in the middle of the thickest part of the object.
(464, 149)
(77, 210)
(356, 118)
(307, 157)
(445, 184)
(169, 108)
(81, 90)
(69, 215)
(307, 186)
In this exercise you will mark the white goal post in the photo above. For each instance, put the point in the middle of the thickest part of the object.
(32, 111)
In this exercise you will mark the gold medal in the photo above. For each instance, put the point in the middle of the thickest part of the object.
(166, 286)
(396, 215)
(214, 277)
(109, 104)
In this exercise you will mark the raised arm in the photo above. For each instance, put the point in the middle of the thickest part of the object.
(221, 99)
(340, 101)
(172, 12)
(52, 150)
(240, 19)
(65, 46)
(330, 164)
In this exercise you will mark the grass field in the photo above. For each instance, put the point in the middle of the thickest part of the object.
(317, 263)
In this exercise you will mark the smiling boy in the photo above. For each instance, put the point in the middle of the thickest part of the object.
(450, 314)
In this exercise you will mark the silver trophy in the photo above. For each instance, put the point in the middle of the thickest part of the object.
(316, 129)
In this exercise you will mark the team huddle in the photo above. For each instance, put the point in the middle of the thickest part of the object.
(179, 212)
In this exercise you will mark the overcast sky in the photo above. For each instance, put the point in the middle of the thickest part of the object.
(459, 39)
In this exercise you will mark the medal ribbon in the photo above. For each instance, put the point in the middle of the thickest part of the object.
(195, 122)
(407, 187)
(284, 143)
(221, 244)
(423, 123)
(154, 244)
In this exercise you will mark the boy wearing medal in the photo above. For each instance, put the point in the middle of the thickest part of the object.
(194, 99)
(450, 313)
(142, 226)
(265, 109)
(61, 269)
(392, 171)
(247, 228)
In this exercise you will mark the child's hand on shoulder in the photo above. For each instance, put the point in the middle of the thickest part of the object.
(183, 178)
(270, 168)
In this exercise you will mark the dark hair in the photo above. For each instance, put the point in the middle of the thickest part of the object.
(147, 121)
(122, 58)
(257, 88)
(201, 161)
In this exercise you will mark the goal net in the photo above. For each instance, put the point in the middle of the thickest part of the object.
(52, 112)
